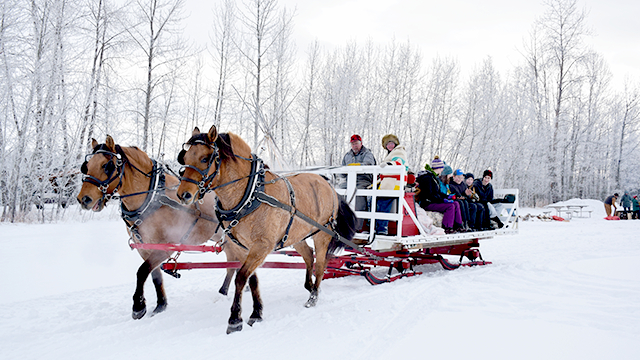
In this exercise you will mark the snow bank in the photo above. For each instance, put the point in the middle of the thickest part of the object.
(557, 290)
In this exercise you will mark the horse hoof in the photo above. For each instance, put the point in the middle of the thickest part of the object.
(223, 291)
(160, 308)
(137, 315)
(234, 327)
(313, 300)
(253, 320)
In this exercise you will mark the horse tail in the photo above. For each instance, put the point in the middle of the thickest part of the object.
(345, 226)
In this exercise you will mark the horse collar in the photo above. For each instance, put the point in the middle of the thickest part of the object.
(150, 204)
(248, 203)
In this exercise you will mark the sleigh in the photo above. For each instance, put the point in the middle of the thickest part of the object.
(378, 258)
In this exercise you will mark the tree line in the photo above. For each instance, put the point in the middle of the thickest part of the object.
(70, 70)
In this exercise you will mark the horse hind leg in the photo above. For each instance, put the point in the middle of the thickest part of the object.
(256, 316)
(161, 306)
(321, 242)
(307, 254)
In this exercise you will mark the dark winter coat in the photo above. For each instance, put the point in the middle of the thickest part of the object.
(458, 189)
(429, 186)
(484, 192)
(364, 157)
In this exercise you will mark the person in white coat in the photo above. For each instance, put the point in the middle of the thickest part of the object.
(396, 155)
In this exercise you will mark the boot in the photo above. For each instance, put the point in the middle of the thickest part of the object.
(497, 220)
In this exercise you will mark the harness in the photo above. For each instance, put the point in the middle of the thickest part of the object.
(254, 195)
(155, 199)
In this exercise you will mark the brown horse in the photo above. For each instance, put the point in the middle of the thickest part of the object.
(224, 163)
(150, 211)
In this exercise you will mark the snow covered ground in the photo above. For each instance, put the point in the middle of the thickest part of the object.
(557, 290)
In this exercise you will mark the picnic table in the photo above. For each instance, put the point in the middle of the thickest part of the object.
(579, 208)
(557, 208)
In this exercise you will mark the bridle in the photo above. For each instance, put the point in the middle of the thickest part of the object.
(204, 185)
(112, 168)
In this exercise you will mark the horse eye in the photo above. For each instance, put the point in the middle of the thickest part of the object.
(205, 160)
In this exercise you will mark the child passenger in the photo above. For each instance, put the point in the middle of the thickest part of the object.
(431, 198)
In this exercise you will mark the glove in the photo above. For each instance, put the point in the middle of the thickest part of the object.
(354, 164)
(383, 165)
(451, 197)
(448, 200)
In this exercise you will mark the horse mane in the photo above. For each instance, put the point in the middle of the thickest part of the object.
(138, 156)
(225, 145)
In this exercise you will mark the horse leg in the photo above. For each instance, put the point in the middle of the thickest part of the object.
(307, 254)
(256, 316)
(256, 256)
(224, 289)
(161, 306)
(321, 242)
(139, 304)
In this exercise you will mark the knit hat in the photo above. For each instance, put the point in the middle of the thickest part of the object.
(487, 173)
(458, 172)
(355, 137)
(436, 163)
(390, 137)
(447, 170)
(469, 175)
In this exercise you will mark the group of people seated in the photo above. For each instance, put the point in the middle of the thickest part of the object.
(467, 204)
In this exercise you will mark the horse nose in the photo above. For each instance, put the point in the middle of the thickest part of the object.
(185, 196)
(86, 200)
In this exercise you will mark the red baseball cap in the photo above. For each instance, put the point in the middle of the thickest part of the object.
(355, 138)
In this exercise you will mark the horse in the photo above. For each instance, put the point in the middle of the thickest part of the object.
(262, 211)
(150, 211)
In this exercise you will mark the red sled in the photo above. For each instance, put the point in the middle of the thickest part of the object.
(557, 218)
(612, 218)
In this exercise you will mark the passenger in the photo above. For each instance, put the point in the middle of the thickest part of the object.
(470, 211)
(430, 198)
(360, 155)
(468, 179)
(484, 189)
(445, 179)
(396, 155)
(625, 201)
(610, 201)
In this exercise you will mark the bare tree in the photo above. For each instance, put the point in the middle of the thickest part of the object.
(155, 32)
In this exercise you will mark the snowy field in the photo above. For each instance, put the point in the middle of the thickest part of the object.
(557, 290)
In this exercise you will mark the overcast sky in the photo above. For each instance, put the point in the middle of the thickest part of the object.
(468, 30)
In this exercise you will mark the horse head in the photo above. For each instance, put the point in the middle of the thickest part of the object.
(102, 171)
(200, 160)
(206, 160)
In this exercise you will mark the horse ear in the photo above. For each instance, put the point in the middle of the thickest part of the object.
(213, 134)
(195, 131)
(94, 143)
(111, 145)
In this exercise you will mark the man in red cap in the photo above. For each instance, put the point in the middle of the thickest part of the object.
(360, 155)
